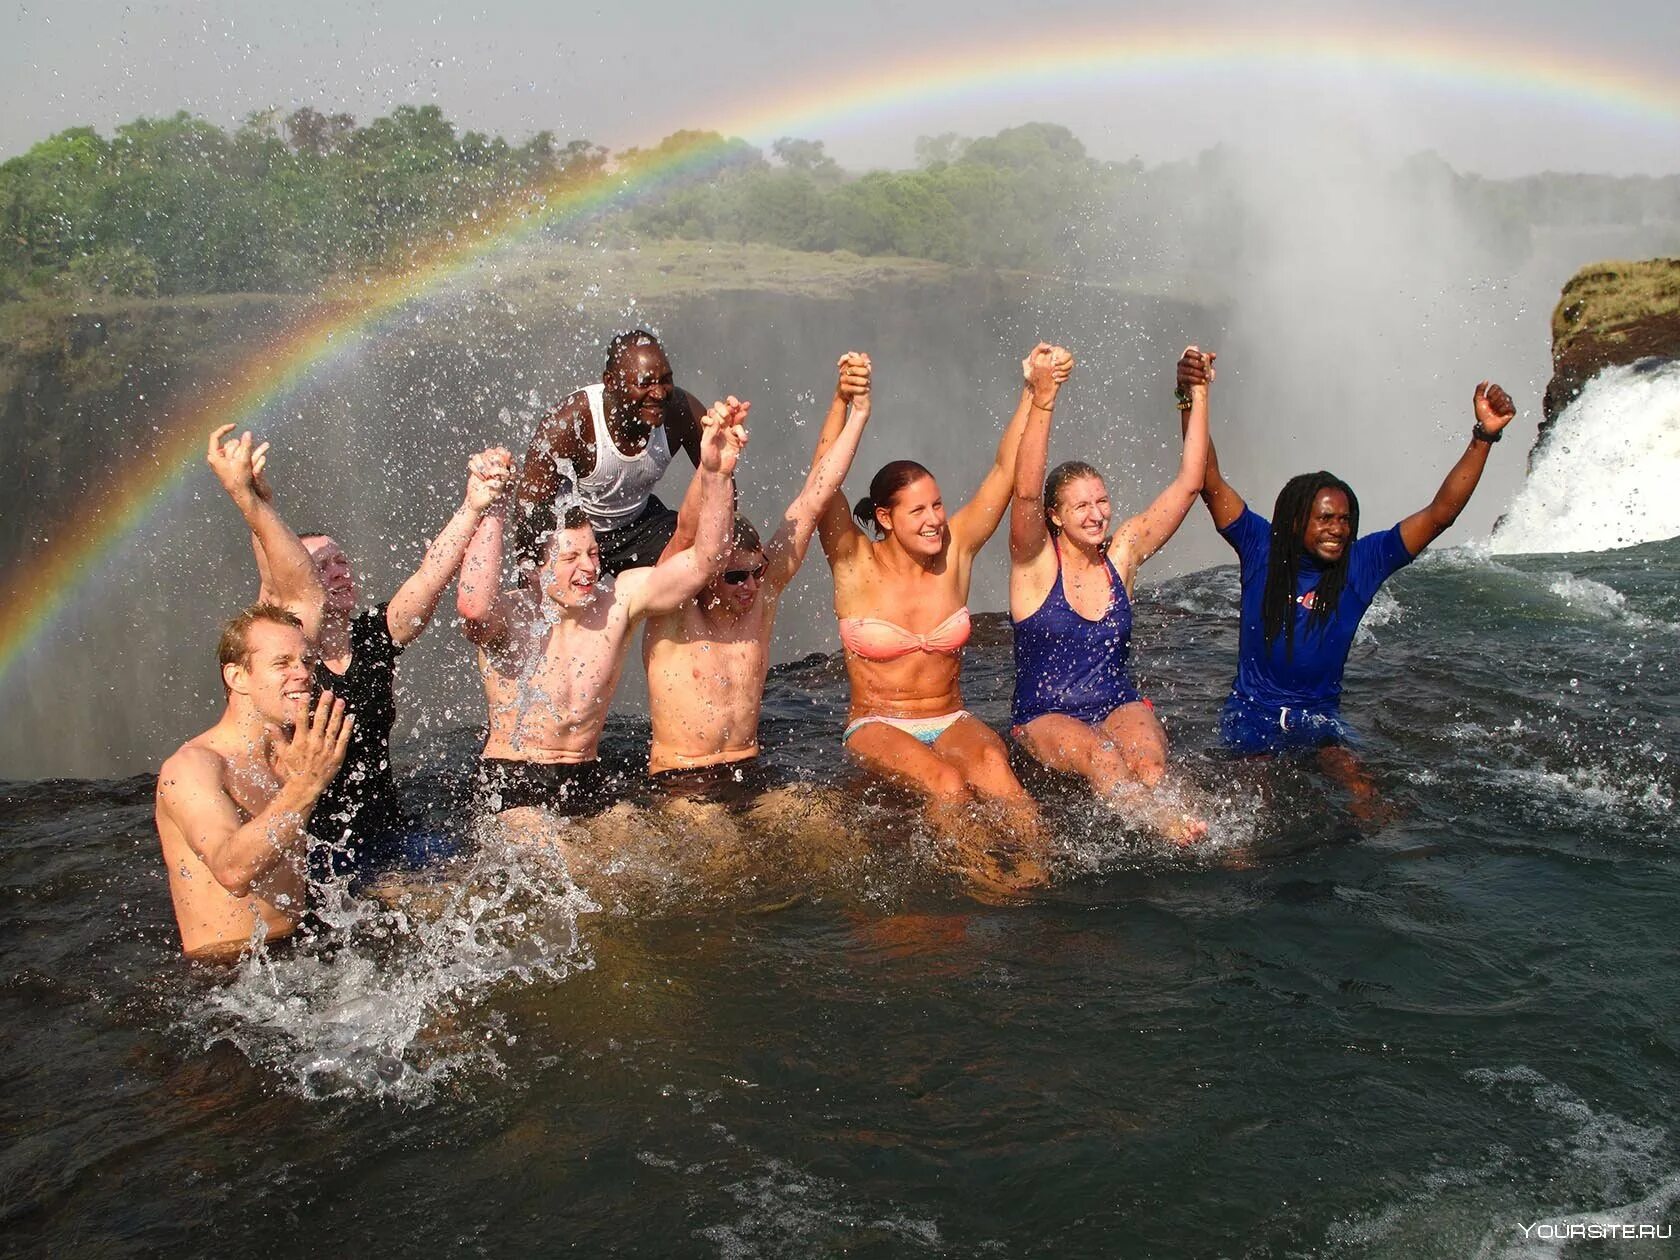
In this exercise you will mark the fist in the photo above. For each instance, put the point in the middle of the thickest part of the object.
(1038, 369)
(1195, 368)
(1494, 408)
(1061, 364)
(855, 373)
(723, 435)
(488, 474)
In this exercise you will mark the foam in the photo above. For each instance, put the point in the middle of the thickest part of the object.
(1604, 476)
(361, 1018)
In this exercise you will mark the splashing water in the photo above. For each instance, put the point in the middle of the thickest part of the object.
(375, 1008)
(1604, 476)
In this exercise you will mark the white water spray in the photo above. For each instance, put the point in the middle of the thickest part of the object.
(1605, 477)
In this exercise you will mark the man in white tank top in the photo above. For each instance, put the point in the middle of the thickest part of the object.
(605, 448)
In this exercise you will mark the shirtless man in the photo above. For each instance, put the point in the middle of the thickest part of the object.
(551, 657)
(707, 660)
(605, 448)
(233, 804)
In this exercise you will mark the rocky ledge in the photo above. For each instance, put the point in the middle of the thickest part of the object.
(1611, 313)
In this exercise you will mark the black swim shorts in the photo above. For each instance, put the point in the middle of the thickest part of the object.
(577, 790)
(641, 542)
(732, 784)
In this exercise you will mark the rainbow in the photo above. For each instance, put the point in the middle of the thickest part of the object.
(1037, 73)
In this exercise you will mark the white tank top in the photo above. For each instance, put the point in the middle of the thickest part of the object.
(615, 493)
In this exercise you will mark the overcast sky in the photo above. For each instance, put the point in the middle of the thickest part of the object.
(630, 73)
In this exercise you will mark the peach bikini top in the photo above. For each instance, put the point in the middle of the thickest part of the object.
(878, 640)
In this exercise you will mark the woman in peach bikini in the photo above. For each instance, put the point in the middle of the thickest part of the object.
(901, 594)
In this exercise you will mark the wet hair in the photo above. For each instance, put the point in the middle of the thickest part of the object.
(745, 537)
(884, 489)
(626, 341)
(1283, 565)
(234, 647)
(1060, 475)
(574, 517)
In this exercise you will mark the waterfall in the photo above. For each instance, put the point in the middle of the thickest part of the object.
(1606, 475)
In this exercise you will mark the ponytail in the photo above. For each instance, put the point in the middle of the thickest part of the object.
(884, 488)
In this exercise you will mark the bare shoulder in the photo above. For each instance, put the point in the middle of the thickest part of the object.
(856, 574)
(670, 627)
(195, 764)
(691, 412)
(567, 426)
(692, 405)
(624, 590)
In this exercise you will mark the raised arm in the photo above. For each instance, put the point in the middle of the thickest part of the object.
(480, 597)
(684, 429)
(1494, 410)
(283, 563)
(546, 476)
(688, 512)
(676, 579)
(1029, 534)
(786, 551)
(978, 519)
(835, 526)
(1147, 532)
(1224, 504)
(238, 854)
(411, 608)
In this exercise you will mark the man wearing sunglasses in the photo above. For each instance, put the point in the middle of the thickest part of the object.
(707, 660)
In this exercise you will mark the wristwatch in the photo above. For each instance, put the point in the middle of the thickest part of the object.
(1182, 398)
(1482, 435)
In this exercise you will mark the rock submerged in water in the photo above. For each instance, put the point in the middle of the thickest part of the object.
(1610, 314)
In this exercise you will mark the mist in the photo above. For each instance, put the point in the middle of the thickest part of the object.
(1354, 308)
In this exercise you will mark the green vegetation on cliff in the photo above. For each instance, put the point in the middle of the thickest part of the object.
(168, 206)
(1610, 301)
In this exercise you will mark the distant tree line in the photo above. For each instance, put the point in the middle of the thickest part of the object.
(178, 205)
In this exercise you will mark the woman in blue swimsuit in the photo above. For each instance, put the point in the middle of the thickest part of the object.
(1070, 585)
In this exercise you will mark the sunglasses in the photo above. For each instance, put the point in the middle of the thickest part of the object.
(736, 576)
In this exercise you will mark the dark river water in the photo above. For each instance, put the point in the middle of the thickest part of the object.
(1413, 1035)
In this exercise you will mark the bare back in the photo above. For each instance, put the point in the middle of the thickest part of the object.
(214, 922)
(706, 683)
(550, 683)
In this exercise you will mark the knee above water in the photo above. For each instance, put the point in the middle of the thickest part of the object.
(1150, 768)
(947, 782)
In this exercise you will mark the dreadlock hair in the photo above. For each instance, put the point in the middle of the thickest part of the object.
(1060, 475)
(1283, 563)
(884, 490)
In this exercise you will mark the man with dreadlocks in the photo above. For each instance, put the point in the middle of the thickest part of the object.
(1307, 579)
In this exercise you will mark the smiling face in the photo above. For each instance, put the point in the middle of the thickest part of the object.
(1082, 511)
(736, 589)
(332, 567)
(639, 385)
(276, 674)
(1329, 529)
(571, 575)
(916, 518)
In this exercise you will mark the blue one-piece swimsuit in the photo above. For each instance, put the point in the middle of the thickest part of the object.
(1065, 663)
